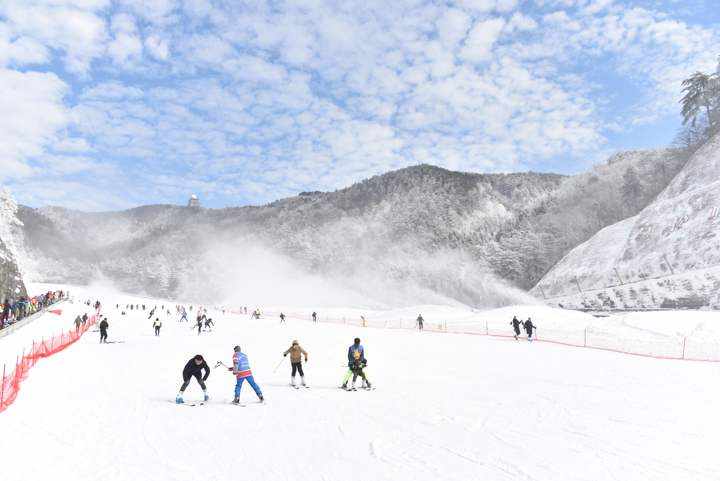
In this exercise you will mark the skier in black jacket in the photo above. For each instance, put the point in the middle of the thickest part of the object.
(516, 326)
(529, 326)
(194, 368)
(103, 330)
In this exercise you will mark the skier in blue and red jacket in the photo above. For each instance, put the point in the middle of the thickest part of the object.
(241, 369)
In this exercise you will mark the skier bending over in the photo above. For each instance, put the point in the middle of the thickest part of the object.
(282, 318)
(209, 324)
(296, 353)
(103, 330)
(529, 326)
(194, 368)
(516, 326)
(241, 369)
(420, 322)
(356, 363)
(157, 324)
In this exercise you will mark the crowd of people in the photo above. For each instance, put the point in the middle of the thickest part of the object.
(12, 311)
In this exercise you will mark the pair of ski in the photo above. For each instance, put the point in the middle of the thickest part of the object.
(349, 389)
(202, 403)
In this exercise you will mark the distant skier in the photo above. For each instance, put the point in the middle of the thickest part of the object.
(78, 323)
(208, 323)
(152, 312)
(199, 324)
(296, 353)
(103, 330)
(194, 368)
(529, 326)
(420, 322)
(282, 318)
(314, 316)
(356, 364)
(157, 324)
(97, 307)
(183, 314)
(241, 370)
(84, 318)
(516, 326)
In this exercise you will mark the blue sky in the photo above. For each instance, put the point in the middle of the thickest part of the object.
(114, 104)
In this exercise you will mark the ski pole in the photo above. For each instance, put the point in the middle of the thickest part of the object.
(279, 364)
(220, 363)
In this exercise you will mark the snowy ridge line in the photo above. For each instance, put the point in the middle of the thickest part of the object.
(640, 281)
(10, 386)
(678, 348)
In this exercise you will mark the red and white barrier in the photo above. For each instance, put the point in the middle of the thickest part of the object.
(12, 380)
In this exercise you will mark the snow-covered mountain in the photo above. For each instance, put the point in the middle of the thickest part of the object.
(666, 256)
(414, 235)
(11, 280)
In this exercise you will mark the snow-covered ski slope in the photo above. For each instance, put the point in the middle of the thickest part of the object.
(447, 407)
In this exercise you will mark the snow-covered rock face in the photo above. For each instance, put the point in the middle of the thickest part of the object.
(421, 234)
(666, 256)
(11, 250)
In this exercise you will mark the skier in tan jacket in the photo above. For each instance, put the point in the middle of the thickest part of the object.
(296, 353)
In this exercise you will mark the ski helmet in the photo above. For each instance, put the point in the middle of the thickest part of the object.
(236, 348)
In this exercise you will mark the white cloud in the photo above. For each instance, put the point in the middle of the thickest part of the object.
(316, 94)
(453, 27)
(478, 44)
(126, 45)
(20, 51)
(33, 115)
(157, 47)
(79, 33)
(522, 23)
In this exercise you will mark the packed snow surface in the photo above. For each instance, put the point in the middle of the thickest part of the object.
(447, 407)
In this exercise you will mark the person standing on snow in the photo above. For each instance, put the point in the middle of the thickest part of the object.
(103, 330)
(296, 353)
(199, 324)
(356, 363)
(529, 326)
(314, 316)
(78, 322)
(194, 368)
(420, 322)
(241, 370)
(157, 324)
(282, 318)
(516, 326)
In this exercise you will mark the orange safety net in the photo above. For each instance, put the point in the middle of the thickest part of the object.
(11, 381)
